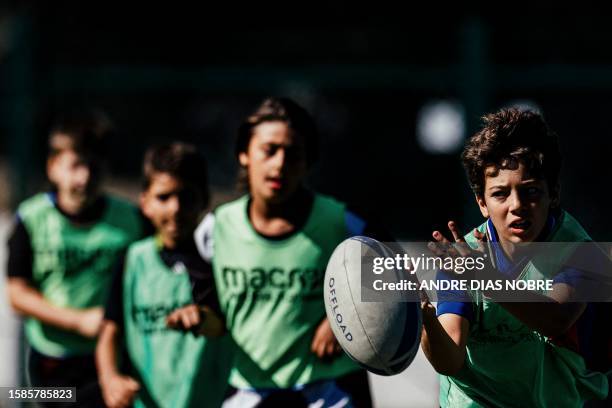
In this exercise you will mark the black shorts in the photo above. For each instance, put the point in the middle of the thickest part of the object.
(79, 372)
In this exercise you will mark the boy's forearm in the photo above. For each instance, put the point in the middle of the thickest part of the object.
(106, 350)
(28, 301)
(445, 353)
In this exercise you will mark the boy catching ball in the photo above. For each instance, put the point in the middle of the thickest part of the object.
(493, 353)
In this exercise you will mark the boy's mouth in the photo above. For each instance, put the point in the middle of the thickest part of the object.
(276, 183)
(520, 226)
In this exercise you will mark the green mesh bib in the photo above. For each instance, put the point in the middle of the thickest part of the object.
(272, 295)
(508, 364)
(72, 265)
(175, 369)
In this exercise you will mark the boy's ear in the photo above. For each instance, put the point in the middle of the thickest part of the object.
(243, 158)
(555, 196)
(483, 206)
(51, 169)
(144, 204)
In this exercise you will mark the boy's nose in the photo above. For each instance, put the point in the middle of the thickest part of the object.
(280, 158)
(174, 204)
(516, 201)
(82, 175)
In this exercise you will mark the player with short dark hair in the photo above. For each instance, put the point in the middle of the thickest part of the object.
(61, 253)
(269, 250)
(495, 353)
(167, 368)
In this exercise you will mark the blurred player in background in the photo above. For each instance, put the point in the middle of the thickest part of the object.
(167, 368)
(269, 250)
(61, 254)
(509, 353)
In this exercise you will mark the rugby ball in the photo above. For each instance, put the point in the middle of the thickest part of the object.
(383, 337)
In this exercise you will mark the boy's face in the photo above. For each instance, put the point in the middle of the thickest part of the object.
(516, 202)
(275, 161)
(76, 177)
(174, 208)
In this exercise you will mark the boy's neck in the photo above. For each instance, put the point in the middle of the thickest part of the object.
(77, 210)
(274, 219)
(186, 244)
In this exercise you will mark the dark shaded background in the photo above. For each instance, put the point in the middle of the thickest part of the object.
(171, 72)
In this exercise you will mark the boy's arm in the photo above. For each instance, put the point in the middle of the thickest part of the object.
(27, 300)
(106, 351)
(204, 316)
(443, 339)
(548, 315)
(118, 390)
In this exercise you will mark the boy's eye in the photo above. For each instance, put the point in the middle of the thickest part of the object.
(533, 190)
(269, 150)
(499, 193)
(163, 197)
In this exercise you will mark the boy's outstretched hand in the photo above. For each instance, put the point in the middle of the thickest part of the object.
(443, 246)
(118, 390)
(324, 343)
(198, 320)
(458, 248)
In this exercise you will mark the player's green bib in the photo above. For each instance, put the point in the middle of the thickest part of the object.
(272, 295)
(72, 264)
(175, 369)
(509, 365)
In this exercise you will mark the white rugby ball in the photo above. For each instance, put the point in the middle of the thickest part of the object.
(383, 337)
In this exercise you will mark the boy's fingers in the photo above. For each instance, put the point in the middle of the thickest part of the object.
(330, 348)
(433, 247)
(438, 236)
(317, 347)
(314, 344)
(116, 399)
(170, 320)
(461, 246)
(194, 315)
(185, 321)
(133, 384)
(110, 399)
(455, 231)
(445, 244)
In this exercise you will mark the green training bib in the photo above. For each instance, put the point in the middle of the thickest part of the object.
(272, 295)
(72, 264)
(510, 365)
(175, 369)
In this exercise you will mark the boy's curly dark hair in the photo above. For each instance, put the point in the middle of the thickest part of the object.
(509, 137)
